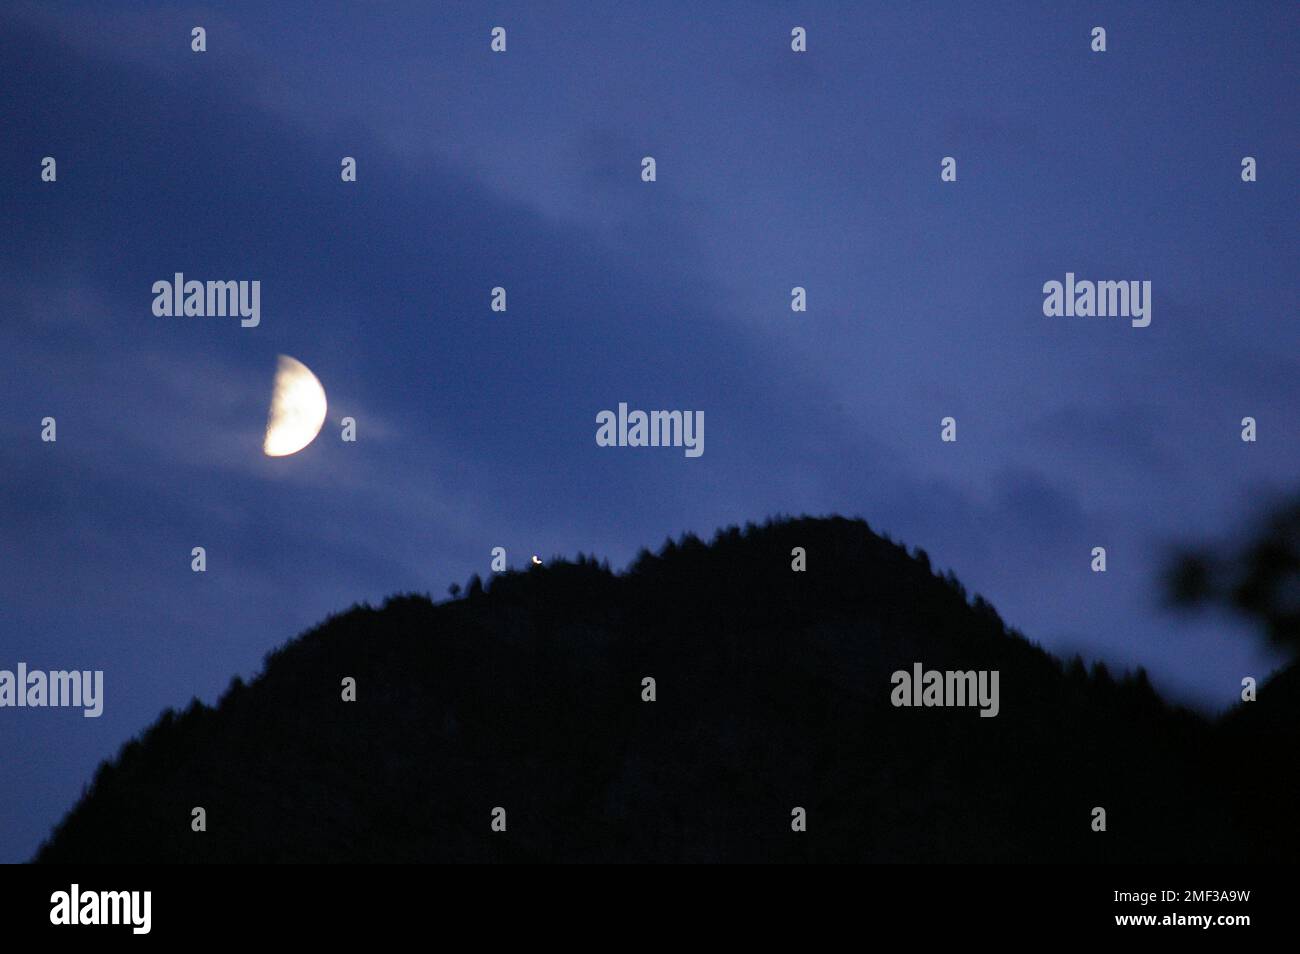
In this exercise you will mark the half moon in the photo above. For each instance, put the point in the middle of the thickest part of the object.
(297, 409)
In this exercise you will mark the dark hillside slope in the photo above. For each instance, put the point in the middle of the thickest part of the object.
(773, 691)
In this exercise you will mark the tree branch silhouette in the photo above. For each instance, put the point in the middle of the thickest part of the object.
(1259, 580)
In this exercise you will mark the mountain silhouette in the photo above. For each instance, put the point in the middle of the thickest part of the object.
(773, 692)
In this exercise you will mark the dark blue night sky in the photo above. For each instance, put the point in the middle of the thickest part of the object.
(477, 429)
